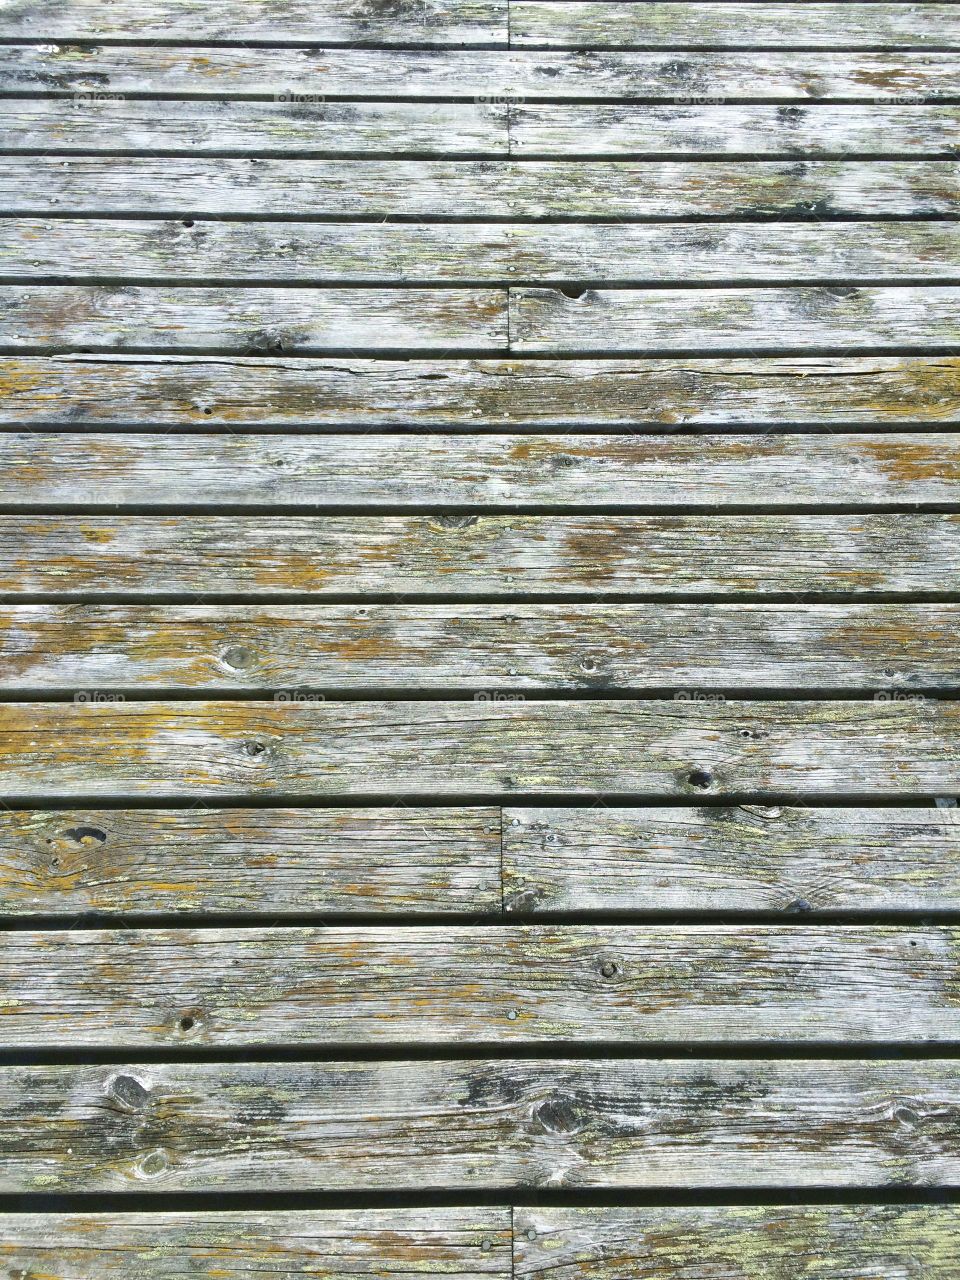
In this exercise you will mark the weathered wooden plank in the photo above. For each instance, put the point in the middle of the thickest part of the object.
(396, 859)
(495, 1125)
(245, 321)
(378, 253)
(83, 391)
(433, 22)
(743, 858)
(292, 649)
(89, 123)
(609, 189)
(854, 76)
(488, 471)
(828, 1242)
(528, 984)
(463, 1244)
(711, 128)
(107, 748)
(733, 25)
(492, 554)
(657, 321)
(101, 123)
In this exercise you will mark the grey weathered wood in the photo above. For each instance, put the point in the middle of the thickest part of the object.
(434, 22)
(396, 859)
(493, 1125)
(855, 76)
(731, 858)
(447, 555)
(97, 747)
(250, 320)
(97, 123)
(751, 320)
(179, 188)
(711, 128)
(126, 249)
(78, 391)
(488, 471)
(830, 1242)
(654, 24)
(693, 648)
(457, 985)
(341, 1244)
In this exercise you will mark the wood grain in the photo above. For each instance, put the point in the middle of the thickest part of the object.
(433, 22)
(703, 23)
(449, 555)
(102, 748)
(492, 1125)
(891, 651)
(486, 471)
(886, 78)
(389, 860)
(96, 186)
(174, 392)
(238, 321)
(499, 253)
(731, 858)
(822, 1242)
(459, 985)
(657, 321)
(463, 1244)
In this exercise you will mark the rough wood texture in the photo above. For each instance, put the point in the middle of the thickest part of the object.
(493, 1125)
(92, 123)
(82, 391)
(822, 1242)
(434, 22)
(889, 650)
(240, 321)
(456, 985)
(393, 471)
(298, 253)
(726, 858)
(389, 860)
(704, 23)
(450, 555)
(368, 749)
(710, 127)
(341, 1244)
(610, 189)
(883, 78)
(715, 320)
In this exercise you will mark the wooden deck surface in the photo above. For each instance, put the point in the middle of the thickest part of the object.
(480, 640)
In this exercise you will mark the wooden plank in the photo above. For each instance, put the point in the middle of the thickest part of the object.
(389, 860)
(101, 123)
(731, 858)
(854, 76)
(611, 189)
(711, 128)
(379, 253)
(693, 648)
(99, 746)
(488, 471)
(245, 321)
(657, 321)
(497, 554)
(82, 391)
(494, 1125)
(831, 1242)
(463, 1244)
(461, 985)
(731, 25)
(433, 22)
